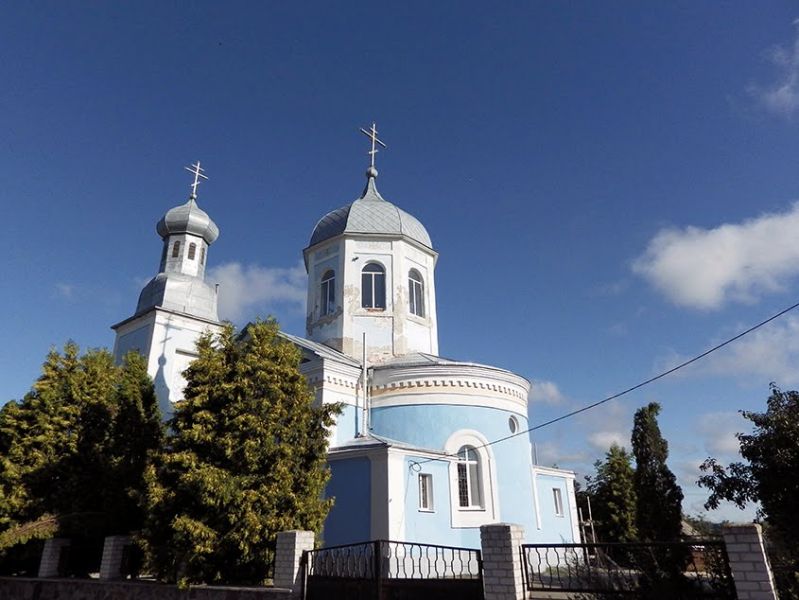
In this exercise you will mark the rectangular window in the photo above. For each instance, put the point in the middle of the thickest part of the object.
(366, 291)
(425, 491)
(558, 502)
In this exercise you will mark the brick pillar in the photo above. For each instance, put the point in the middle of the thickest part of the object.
(288, 555)
(51, 557)
(748, 562)
(502, 565)
(113, 549)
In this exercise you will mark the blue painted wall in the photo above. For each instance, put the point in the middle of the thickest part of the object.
(554, 529)
(429, 426)
(346, 424)
(350, 518)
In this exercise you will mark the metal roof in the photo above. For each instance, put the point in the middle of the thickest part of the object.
(188, 218)
(319, 349)
(370, 214)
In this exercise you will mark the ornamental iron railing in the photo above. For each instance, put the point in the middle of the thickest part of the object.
(679, 570)
(395, 560)
(393, 571)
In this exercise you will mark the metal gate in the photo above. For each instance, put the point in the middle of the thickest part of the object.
(692, 570)
(386, 570)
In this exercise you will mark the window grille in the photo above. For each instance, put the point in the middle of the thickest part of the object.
(192, 250)
(470, 491)
(176, 250)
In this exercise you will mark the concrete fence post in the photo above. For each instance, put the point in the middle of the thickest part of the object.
(748, 562)
(502, 565)
(113, 551)
(50, 563)
(288, 557)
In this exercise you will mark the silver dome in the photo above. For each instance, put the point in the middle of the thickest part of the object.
(188, 218)
(370, 214)
(181, 293)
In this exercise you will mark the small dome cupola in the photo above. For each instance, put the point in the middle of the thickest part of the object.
(371, 272)
(187, 232)
(189, 218)
(370, 214)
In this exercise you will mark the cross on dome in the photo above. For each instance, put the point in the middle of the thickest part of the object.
(198, 173)
(372, 135)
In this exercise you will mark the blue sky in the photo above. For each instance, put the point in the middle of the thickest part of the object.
(610, 186)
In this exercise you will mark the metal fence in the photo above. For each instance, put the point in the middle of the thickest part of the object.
(393, 570)
(695, 569)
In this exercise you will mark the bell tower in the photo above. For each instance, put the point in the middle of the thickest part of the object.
(177, 305)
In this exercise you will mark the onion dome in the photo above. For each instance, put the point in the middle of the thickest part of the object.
(188, 218)
(370, 214)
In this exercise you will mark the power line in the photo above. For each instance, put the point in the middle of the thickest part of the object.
(637, 386)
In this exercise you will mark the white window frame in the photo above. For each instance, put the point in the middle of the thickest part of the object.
(426, 500)
(557, 498)
(327, 293)
(473, 516)
(416, 293)
(470, 474)
(371, 277)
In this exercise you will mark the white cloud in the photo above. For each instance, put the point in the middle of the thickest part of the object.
(247, 291)
(603, 440)
(546, 392)
(765, 355)
(549, 454)
(706, 268)
(718, 430)
(781, 97)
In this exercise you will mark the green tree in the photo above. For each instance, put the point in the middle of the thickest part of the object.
(245, 458)
(658, 512)
(613, 498)
(770, 476)
(78, 444)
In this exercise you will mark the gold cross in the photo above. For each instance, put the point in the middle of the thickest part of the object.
(372, 135)
(198, 173)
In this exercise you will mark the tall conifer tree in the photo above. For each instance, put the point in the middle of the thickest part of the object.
(77, 444)
(245, 458)
(612, 492)
(659, 498)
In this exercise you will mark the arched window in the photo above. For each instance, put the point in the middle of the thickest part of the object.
(328, 293)
(416, 293)
(192, 250)
(176, 250)
(373, 286)
(202, 255)
(470, 478)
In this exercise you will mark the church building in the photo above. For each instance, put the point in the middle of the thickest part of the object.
(414, 454)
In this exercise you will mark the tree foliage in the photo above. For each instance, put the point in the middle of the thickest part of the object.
(613, 497)
(659, 498)
(78, 443)
(244, 459)
(769, 475)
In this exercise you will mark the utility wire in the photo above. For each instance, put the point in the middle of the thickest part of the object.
(588, 407)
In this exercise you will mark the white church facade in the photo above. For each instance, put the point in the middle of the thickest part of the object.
(412, 455)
